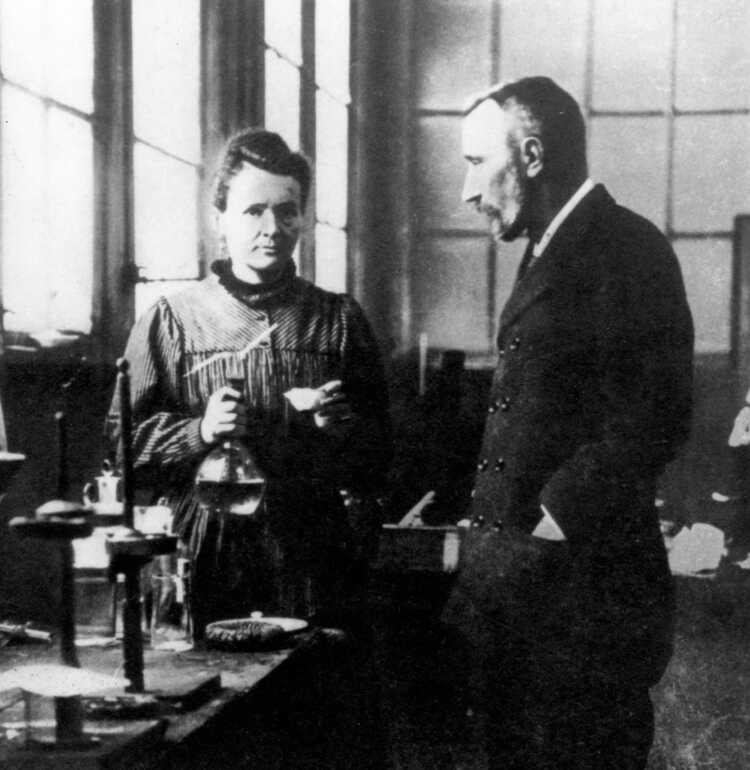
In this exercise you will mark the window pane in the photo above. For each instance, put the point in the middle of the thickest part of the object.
(70, 66)
(282, 98)
(640, 183)
(146, 294)
(713, 59)
(166, 227)
(69, 264)
(48, 47)
(22, 42)
(707, 270)
(25, 291)
(330, 258)
(550, 40)
(711, 175)
(331, 160)
(332, 34)
(454, 51)
(631, 54)
(283, 27)
(166, 75)
(452, 306)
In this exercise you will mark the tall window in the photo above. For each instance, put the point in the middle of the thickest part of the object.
(332, 104)
(307, 101)
(166, 145)
(283, 60)
(46, 103)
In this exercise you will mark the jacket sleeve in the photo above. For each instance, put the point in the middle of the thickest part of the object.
(644, 372)
(165, 433)
(366, 452)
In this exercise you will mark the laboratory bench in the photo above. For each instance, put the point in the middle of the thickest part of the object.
(216, 709)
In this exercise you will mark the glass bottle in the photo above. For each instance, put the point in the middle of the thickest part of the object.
(229, 480)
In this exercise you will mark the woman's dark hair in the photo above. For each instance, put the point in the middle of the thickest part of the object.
(262, 149)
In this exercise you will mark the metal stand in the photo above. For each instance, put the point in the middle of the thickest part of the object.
(129, 550)
(62, 522)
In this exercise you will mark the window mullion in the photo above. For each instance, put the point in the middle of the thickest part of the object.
(307, 133)
(354, 272)
(113, 296)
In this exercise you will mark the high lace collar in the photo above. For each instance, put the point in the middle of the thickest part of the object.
(254, 294)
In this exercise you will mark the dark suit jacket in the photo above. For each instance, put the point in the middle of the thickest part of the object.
(590, 400)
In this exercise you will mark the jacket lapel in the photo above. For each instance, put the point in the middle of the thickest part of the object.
(543, 274)
(529, 287)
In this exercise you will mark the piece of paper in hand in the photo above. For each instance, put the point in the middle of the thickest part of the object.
(304, 399)
(310, 399)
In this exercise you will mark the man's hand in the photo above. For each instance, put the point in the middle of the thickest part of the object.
(224, 416)
(334, 412)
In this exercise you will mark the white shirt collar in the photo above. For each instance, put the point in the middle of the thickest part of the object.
(561, 216)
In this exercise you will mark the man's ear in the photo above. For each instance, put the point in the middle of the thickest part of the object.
(532, 154)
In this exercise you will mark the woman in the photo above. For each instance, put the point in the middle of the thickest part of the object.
(253, 315)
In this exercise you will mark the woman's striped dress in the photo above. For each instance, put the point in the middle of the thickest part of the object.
(293, 557)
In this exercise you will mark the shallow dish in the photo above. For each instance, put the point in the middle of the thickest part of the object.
(253, 633)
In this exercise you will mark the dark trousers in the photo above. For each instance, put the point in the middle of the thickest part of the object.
(560, 656)
(523, 717)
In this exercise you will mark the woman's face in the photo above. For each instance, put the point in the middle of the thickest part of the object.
(261, 223)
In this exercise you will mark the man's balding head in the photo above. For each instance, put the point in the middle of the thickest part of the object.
(552, 115)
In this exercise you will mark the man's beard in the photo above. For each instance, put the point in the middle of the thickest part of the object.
(515, 229)
(504, 231)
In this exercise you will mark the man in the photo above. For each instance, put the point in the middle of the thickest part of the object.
(255, 318)
(564, 595)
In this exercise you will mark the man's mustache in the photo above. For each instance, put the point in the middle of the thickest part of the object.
(489, 211)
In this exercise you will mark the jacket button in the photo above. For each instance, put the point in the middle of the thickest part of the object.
(501, 352)
(477, 521)
(482, 464)
(497, 525)
(514, 343)
(493, 407)
(505, 404)
(499, 464)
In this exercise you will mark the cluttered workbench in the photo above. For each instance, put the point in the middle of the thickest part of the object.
(200, 708)
(151, 691)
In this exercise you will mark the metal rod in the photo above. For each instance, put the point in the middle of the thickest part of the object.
(68, 654)
(68, 720)
(126, 440)
(131, 615)
(62, 454)
(132, 640)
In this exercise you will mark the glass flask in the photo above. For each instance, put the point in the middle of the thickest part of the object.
(229, 480)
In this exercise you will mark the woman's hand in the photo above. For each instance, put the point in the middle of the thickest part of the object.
(224, 416)
(333, 413)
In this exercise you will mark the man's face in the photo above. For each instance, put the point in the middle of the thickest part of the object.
(496, 182)
(261, 222)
